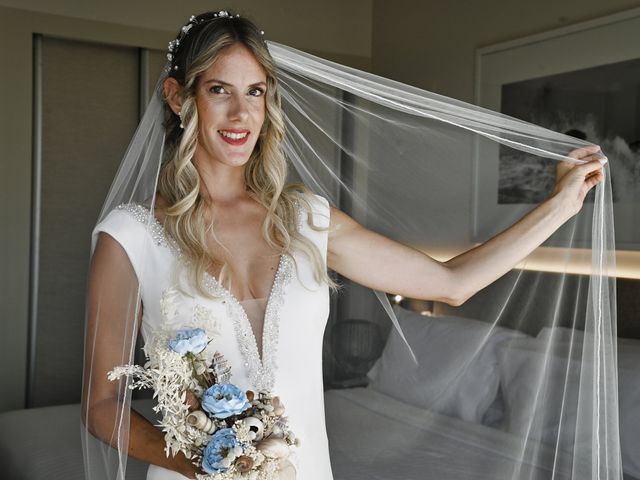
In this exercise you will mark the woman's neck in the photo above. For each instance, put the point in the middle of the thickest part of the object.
(222, 184)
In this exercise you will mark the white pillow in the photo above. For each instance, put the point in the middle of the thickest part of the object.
(628, 391)
(532, 379)
(458, 366)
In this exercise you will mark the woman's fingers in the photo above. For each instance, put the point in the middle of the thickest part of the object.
(593, 180)
(585, 170)
(590, 167)
(562, 168)
(581, 152)
(594, 174)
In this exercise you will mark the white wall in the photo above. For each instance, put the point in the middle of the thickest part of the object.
(432, 44)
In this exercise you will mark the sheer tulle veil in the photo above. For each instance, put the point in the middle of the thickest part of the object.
(526, 367)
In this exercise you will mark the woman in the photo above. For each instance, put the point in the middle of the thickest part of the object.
(256, 251)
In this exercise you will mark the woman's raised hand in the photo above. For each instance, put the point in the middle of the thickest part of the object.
(574, 180)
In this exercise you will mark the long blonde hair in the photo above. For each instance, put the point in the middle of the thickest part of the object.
(266, 170)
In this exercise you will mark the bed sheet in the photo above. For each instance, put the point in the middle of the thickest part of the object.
(373, 436)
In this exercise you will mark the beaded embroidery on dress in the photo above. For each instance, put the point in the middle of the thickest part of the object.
(295, 315)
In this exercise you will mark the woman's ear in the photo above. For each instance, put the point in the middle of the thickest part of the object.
(173, 94)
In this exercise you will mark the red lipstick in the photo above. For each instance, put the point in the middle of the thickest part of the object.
(234, 141)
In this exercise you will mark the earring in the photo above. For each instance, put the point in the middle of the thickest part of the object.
(180, 115)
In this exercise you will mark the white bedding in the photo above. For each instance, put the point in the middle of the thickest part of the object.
(499, 387)
(373, 436)
(463, 385)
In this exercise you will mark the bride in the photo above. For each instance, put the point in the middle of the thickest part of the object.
(256, 250)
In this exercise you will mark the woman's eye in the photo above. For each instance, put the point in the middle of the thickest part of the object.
(256, 92)
(217, 89)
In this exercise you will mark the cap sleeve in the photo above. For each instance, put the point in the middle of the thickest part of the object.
(130, 232)
(322, 209)
(320, 218)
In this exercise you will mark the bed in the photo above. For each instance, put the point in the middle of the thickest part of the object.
(469, 432)
(460, 435)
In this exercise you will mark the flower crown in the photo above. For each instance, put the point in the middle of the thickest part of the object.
(193, 20)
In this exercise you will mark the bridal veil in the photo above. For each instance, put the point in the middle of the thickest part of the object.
(519, 382)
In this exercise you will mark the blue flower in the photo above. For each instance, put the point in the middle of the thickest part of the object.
(224, 399)
(218, 455)
(192, 340)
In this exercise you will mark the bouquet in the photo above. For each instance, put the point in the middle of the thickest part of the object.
(227, 432)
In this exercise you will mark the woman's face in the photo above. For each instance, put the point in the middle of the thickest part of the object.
(230, 100)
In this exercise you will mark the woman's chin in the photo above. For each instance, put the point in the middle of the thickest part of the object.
(233, 157)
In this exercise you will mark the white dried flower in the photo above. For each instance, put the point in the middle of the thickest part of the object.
(169, 303)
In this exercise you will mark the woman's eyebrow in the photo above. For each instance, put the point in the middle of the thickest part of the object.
(222, 82)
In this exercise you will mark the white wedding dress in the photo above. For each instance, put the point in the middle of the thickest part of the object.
(295, 315)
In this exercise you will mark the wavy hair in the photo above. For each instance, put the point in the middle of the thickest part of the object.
(265, 172)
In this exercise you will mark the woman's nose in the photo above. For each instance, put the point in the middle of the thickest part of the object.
(239, 108)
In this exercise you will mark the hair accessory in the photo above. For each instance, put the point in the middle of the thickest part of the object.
(193, 20)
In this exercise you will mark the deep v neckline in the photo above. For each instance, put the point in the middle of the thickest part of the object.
(261, 367)
(243, 312)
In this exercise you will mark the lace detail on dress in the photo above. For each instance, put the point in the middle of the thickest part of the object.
(143, 215)
(261, 372)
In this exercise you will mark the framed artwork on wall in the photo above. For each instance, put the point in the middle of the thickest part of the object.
(582, 80)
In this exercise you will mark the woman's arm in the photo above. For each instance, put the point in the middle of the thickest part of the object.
(112, 301)
(378, 262)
